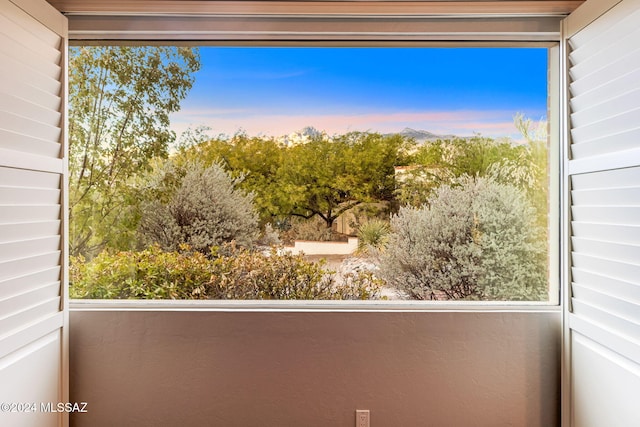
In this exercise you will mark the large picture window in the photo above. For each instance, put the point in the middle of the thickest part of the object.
(281, 172)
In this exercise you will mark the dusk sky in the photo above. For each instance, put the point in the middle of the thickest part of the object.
(278, 90)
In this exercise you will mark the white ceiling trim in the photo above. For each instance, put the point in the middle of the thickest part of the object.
(319, 8)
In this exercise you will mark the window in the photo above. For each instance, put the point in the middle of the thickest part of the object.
(312, 172)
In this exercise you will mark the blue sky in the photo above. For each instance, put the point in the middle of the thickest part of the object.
(278, 90)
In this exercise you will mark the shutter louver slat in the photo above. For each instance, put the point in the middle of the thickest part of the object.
(19, 214)
(587, 54)
(627, 311)
(24, 300)
(30, 145)
(615, 287)
(620, 178)
(620, 252)
(27, 196)
(14, 47)
(12, 85)
(605, 196)
(24, 266)
(29, 230)
(608, 108)
(604, 75)
(25, 248)
(629, 215)
(613, 88)
(31, 314)
(607, 232)
(14, 123)
(607, 144)
(42, 39)
(24, 108)
(14, 285)
(609, 127)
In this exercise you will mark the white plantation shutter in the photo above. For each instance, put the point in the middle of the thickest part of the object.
(604, 177)
(32, 209)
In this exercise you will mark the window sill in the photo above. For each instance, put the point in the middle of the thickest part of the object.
(312, 306)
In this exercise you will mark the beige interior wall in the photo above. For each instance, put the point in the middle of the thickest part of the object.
(235, 368)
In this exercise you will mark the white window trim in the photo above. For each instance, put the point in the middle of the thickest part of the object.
(401, 30)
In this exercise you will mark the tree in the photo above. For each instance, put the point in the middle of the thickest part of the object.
(257, 160)
(476, 239)
(529, 171)
(198, 206)
(474, 156)
(120, 98)
(326, 178)
(440, 162)
(428, 169)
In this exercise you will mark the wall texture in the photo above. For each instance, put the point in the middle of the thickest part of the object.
(314, 369)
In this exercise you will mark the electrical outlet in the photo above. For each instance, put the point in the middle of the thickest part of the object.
(362, 418)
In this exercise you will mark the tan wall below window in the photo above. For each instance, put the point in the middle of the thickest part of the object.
(314, 369)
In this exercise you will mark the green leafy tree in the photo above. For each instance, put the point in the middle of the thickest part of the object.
(257, 160)
(530, 170)
(474, 156)
(475, 240)
(428, 169)
(120, 98)
(440, 162)
(326, 178)
(198, 206)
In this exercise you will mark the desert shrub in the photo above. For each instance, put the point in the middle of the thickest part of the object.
(148, 274)
(245, 274)
(366, 212)
(314, 229)
(203, 207)
(229, 273)
(269, 236)
(373, 236)
(477, 239)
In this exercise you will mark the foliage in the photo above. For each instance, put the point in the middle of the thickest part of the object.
(198, 206)
(373, 236)
(327, 178)
(323, 177)
(269, 236)
(441, 162)
(313, 229)
(416, 183)
(249, 275)
(233, 273)
(474, 156)
(476, 239)
(530, 170)
(148, 274)
(257, 160)
(120, 98)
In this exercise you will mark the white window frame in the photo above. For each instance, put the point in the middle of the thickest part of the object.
(327, 24)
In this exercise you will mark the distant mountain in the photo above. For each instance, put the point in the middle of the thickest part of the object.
(302, 136)
(308, 133)
(421, 136)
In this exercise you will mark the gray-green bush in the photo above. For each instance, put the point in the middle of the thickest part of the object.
(477, 240)
(201, 207)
